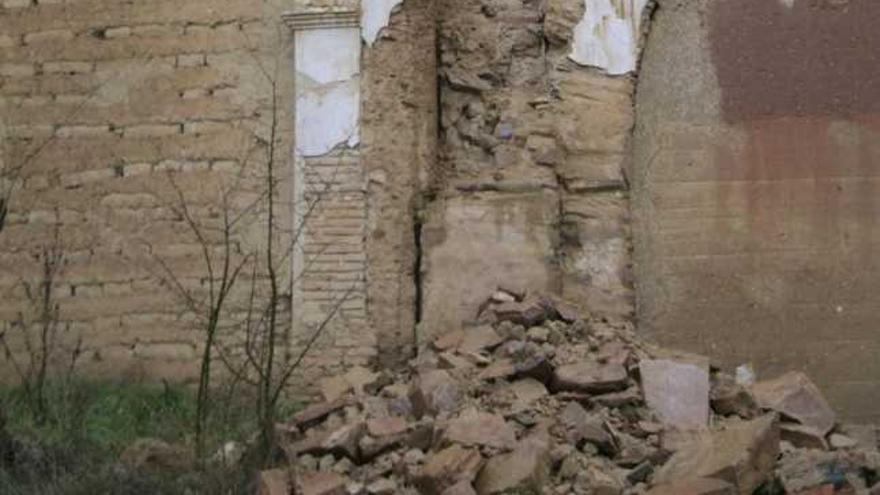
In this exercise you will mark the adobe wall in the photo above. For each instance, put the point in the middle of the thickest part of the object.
(101, 98)
(756, 183)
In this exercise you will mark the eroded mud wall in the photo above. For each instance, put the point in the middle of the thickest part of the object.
(399, 153)
(100, 100)
(755, 174)
(531, 191)
(103, 98)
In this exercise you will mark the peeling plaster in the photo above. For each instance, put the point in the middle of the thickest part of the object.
(375, 15)
(328, 90)
(608, 35)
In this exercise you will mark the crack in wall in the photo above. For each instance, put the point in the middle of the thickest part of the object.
(417, 272)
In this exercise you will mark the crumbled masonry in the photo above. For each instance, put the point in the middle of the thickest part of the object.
(541, 398)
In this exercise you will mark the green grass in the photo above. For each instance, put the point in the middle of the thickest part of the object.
(110, 416)
(87, 426)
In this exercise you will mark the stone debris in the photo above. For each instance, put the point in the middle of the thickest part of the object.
(677, 392)
(434, 392)
(729, 398)
(742, 454)
(274, 482)
(591, 377)
(477, 429)
(696, 486)
(448, 468)
(321, 483)
(526, 468)
(795, 396)
(534, 399)
(803, 437)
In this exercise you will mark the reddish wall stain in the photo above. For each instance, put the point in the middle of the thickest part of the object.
(787, 73)
(819, 57)
(765, 227)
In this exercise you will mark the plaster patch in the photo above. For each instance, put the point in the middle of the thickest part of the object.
(328, 55)
(608, 35)
(328, 90)
(326, 117)
(788, 3)
(375, 15)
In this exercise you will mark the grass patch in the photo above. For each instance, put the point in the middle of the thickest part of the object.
(75, 450)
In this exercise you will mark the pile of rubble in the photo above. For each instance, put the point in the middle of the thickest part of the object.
(537, 400)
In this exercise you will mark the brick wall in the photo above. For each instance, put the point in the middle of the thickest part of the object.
(331, 279)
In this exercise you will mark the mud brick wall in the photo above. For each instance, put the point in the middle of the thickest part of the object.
(101, 98)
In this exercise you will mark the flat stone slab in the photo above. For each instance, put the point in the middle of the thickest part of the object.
(590, 377)
(478, 429)
(677, 392)
(793, 395)
(741, 453)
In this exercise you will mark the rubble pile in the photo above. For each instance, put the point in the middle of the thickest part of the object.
(537, 399)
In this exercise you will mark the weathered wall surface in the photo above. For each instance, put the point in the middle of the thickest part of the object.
(101, 98)
(399, 151)
(463, 146)
(755, 179)
(531, 189)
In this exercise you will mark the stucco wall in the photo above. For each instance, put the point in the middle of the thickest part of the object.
(755, 188)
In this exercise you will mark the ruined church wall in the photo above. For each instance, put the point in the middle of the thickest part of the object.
(484, 143)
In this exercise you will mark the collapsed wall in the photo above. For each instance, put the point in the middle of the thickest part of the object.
(534, 145)
(513, 166)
